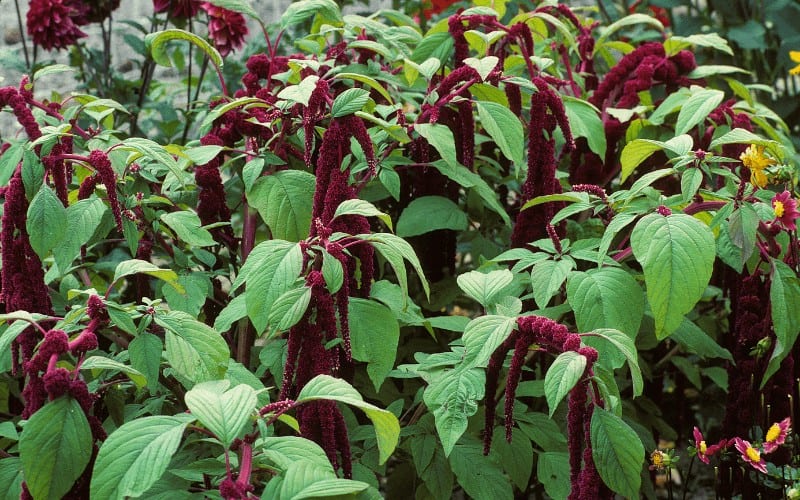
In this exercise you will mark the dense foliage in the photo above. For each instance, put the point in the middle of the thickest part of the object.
(525, 250)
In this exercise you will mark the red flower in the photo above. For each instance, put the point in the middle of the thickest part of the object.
(776, 435)
(704, 451)
(181, 9)
(226, 28)
(52, 23)
(750, 455)
(785, 209)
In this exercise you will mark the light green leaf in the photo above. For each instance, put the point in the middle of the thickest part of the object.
(270, 270)
(483, 66)
(585, 121)
(483, 335)
(145, 351)
(152, 151)
(618, 453)
(136, 266)
(606, 297)
(441, 138)
(624, 344)
(374, 335)
(200, 155)
(740, 136)
(223, 412)
(784, 298)
(156, 45)
(103, 363)
(83, 219)
(186, 225)
(547, 276)
(194, 350)
(333, 272)
(240, 6)
(677, 254)
(505, 128)
(300, 93)
(55, 447)
(288, 309)
(387, 428)
(11, 476)
(299, 12)
(361, 207)
(485, 288)
(394, 249)
(567, 369)
(286, 450)
(371, 82)
(334, 487)
(696, 109)
(626, 21)
(453, 399)
(349, 101)
(46, 222)
(136, 455)
(284, 200)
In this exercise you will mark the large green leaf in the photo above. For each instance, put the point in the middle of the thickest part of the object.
(625, 345)
(784, 298)
(696, 109)
(156, 45)
(561, 377)
(194, 350)
(136, 455)
(547, 276)
(55, 447)
(83, 219)
(453, 399)
(223, 411)
(516, 456)
(470, 180)
(395, 249)
(618, 453)
(284, 200)
(584, 120)
(349, 101)
(387, 427)
(288, 309)
(103, 363)
(285, 450)
(187, 227)
(416, 218)
(483, 335)
(552, 469)
(298, 12)
(46, 222)
(145, 352)
(441, 138)
(505, 128)
(137, 266)
(479, 475)
(677, 255)
(485, 287)
(11, 477)
(374, 335)
(606, 297)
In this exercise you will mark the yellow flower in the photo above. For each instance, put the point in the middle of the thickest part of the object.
(754, 159)
(795, 55)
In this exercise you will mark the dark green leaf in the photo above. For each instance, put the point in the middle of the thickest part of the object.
(784, 298)
(617, 452)
(505, 128)
(46, 222)
(374, 335)
(430, 213)
(479, 475)
(11, 476)
(145, 351)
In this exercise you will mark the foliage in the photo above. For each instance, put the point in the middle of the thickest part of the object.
(327, 272)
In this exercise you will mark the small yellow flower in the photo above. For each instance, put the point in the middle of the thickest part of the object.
(657, 459)
(795, 55)
(754, 159)
(777, 207)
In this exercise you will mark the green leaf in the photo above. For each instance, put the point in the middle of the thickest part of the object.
(485, 288)
(194, 350)
(270, 270)
(11, 476)
(300, 475)
(284, 451)
(156, 46)
(626, 21)
(483, 335)
(540, 429)
(624, 344)
(330, 488)
(136, 266)
(618, 453)
(152, 151)
(470, 180)
(83, 219)
(223, 412)
(635, 152)
(441, 138)
(55, 447)
(51, 69)
(387, 428)
(516, 456)
(740, 136)
(416, 217)
(333, 272)
(349, 101)
(394, 249)
(707, 70)
(46, 222)
(696, 109)
(677, 254)
(145, 352)
(696, 340)
(136, 455)
(606, 297)
(552, 469)
(483, 66)
(240, 6)
(742, 228)
(200, 155)
(371, 82)
(453, 399)
(196, 286)
(374, 335)
(361, 207)
(505, 128)
(284, 200)
(784, 298)
(691, 180)
(547, 276)
(479, 475)
(585, 121)
(567, 369)
(186, 225)
(103, 363)
(299, 12)
(288, 309)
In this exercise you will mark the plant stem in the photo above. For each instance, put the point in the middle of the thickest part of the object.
(688, 476)
(22, 35)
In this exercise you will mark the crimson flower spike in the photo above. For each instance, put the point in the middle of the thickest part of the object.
(102, 165)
